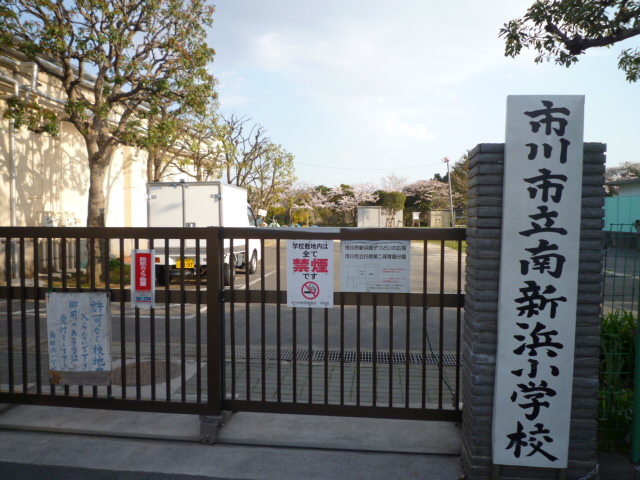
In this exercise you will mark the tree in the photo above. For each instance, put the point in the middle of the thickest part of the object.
(242, 145)
(272, 175)
(440, 178)
(394, 183)
(181, 138)
(301, 201)
(314, 201)
(158, 139)
(564, 29)
(427, 195)
(346, 199)
(320, 205)
(392, 201)
(252, 161)
(625, 171)
(155, 131)
(459, 181)
(199, 154)
(114, 61)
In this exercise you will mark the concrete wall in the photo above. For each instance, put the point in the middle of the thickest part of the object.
(621, 210)
(52, 175)
(378, 217)
(629, 190)
(481, 306)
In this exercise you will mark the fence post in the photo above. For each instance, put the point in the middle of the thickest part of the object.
(635, 425)
(485, 208)
(211, 423)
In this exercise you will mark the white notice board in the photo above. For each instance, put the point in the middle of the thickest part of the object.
(310, 273)
(376, 266)
(79, 338)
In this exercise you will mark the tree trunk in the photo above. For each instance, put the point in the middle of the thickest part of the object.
(99, 160)
(97, 202)
(151, 167)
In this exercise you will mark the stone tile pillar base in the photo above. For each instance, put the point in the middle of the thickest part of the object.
(484, 230)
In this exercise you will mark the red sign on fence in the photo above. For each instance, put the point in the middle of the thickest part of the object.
(143, 271)
(143, 281)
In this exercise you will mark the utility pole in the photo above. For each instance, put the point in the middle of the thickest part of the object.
(453, 221)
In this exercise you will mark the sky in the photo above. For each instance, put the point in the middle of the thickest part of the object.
(358, 90)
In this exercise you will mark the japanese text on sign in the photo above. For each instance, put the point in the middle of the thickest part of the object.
(79, 337)
(538, 280)
(310, 273)
(143, 289)
(376, 266)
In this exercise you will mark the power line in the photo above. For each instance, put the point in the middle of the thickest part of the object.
(367, 169)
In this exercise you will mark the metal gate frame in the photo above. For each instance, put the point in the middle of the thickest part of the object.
(320, 404)
(35, 260)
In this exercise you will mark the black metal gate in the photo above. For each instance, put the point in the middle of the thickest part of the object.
(205, 348)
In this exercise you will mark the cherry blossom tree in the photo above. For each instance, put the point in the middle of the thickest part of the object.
(346, 199)
(427, 195)
(626, 171)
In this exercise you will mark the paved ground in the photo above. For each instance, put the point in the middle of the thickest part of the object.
(412, 385)
(48, 442)
(60, 443)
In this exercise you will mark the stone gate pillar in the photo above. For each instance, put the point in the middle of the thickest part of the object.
(484, 230)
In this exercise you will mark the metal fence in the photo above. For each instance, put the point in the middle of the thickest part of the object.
(205, 348)
(622, 269)
(619, 329)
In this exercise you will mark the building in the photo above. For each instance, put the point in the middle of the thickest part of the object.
(44, 178)
(374, 217)
(623, 210)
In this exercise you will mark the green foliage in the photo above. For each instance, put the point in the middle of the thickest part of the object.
(563, 30)
(142, 54)
(440, 178)
(31, 115)
(115, 273)
(459, 181)
(617, 362)
(393, 200)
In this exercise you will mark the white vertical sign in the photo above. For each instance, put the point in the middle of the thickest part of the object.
(538, 280)
(310, 273)
(143, 279)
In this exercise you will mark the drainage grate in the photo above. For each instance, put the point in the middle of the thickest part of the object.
(302, 354)
(350, 356)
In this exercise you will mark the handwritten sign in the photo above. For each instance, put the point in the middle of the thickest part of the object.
(376, 266)
(310, 273)
(79, 338)
(538, 280)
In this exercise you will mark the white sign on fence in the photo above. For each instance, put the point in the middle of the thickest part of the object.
(538, 280)
(79, 338)
(376, 266)
(310, 273)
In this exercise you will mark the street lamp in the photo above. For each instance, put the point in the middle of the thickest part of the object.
(446, 160)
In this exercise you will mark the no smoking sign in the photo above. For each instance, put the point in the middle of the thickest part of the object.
(310, 273)
(310, 290)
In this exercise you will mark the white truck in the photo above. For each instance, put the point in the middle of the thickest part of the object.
(200, 204)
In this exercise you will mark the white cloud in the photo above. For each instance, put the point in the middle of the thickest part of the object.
(375, 83)
(233, 83)
(409, 47)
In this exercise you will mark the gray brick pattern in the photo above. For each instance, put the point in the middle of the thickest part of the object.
(481, 306)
